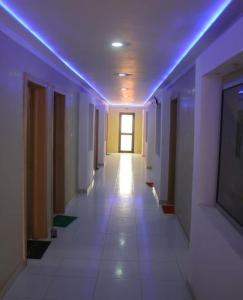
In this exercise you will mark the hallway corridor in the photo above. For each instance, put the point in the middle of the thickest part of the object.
(121, 158)
(121, 246)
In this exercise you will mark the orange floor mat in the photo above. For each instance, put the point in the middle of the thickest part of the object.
(168, 208)
(150, 184)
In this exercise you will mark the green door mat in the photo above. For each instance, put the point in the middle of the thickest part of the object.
(63, 221)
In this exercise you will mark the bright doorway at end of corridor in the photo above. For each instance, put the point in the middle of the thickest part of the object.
(126, 132)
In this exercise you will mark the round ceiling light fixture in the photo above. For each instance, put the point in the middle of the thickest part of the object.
(122, 74)
(117, 44)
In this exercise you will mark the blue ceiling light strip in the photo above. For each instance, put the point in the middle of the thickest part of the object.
(206, 27)
(51, 49)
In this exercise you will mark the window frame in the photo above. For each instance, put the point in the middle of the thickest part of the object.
(131, 134)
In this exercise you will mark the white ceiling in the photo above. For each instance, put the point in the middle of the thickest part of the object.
(157, 33)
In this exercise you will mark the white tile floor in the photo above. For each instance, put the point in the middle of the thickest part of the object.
(120, 247)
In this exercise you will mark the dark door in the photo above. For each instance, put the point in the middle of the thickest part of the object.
(172, 151)
(59, 154)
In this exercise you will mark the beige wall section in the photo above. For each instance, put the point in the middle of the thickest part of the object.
(113, 129)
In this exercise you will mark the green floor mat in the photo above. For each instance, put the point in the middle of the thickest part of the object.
(63, 221)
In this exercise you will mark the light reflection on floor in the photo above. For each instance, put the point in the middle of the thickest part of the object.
(120, 247)
(125, 180)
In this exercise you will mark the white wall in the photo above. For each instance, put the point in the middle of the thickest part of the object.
(159, 161)
(216, 245)
(163, 164)
(212, 260)
(102, 135)
(86, 134)
(71, 145)
(184, 91)
(151, 136)
(15, 61)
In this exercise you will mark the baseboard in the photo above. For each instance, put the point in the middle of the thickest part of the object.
(12, 278)
(69, 203)
(191, 290)
(155, 193)
(163, 202)
(88, 189)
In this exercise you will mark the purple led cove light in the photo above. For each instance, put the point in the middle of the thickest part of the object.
(205, 28)
(50, 48)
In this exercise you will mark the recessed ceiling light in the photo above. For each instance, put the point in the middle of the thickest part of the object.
(117, 44)
(124, 89)
(122, 74)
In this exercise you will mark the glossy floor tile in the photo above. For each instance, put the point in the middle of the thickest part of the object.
(121, 246)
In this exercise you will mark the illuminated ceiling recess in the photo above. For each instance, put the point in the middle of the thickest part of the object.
(166, 72)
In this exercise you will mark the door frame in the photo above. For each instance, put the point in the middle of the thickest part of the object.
(120, 133)
(223, 210)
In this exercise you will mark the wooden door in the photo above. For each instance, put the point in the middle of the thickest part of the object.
(172, 151)
(36, 163)
(59, 154)
(106, 132)
(96, 142)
